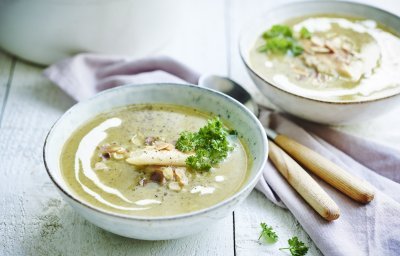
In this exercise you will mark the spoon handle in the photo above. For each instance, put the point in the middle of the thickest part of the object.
(350, 185)
(303, 183)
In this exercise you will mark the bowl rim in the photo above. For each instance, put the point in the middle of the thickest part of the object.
(249, 183)
(282, 6)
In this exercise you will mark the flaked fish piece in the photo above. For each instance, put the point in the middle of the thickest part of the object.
(168, 172)
(157, 157)
(334, 44)
(174, 186)
(180, 176)
(318, 41)
(322, 63)
(337, 63)
(348, 47)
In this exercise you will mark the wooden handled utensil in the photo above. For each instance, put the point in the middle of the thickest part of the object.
(303, 183)
(350, 185)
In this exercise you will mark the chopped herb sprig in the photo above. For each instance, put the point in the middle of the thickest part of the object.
(296, 247)
(268, 233)
(305, 33)
(279, 39)
(210, 145)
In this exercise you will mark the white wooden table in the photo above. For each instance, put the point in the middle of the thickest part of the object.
(34, 220)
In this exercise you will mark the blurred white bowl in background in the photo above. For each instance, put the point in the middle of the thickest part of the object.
(44, 31)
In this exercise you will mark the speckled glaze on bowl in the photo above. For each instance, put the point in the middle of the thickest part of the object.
(157, 228)
(311, 109)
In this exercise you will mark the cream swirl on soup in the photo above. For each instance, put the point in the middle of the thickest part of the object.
(133, 160)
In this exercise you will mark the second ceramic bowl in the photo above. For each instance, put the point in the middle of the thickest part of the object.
(169, 227)
(312, 109)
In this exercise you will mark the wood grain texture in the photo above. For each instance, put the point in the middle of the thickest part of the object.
(303, 183)
(342, 180)
(256, 209)
(7, 64)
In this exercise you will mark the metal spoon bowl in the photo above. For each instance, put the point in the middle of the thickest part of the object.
(231, 88)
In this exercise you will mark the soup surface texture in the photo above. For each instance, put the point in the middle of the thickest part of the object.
(341, 59)
(125, 161)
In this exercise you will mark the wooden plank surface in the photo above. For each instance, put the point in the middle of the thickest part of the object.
(7, 64)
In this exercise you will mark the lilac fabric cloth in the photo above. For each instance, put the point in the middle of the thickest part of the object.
(372, 229)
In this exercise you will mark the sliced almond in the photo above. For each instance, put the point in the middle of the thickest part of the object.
(100, 166)
(180, 175)
(318, 49)
(334, 44)
(168, 173)
(300, 71)
(118, 149)
(161, 145)
(174, 186)
(318, 41)
(118, 156)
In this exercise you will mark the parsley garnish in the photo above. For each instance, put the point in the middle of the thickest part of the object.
(296, 247)
(210, 145)
(268, 233)
(279, 39)
(278, 31)
(305, 33)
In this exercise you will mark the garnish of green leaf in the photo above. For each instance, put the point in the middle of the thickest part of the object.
(268, 233)
(278, 31)
(279, 39)
(210, 145)
(296, 247)
(305, 33)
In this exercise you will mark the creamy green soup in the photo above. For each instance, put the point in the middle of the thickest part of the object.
(343, 59)
(125, 161)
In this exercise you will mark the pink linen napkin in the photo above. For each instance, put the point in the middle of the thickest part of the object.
(372, 229)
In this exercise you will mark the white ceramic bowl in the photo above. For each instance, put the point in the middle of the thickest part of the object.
(44, 31)
(157, 228)
(311, 109)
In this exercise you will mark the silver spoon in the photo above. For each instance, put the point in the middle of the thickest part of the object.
(350, 185)
(231, 88)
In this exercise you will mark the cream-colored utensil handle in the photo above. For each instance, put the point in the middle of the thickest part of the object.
(350, 185)
(303, 183)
